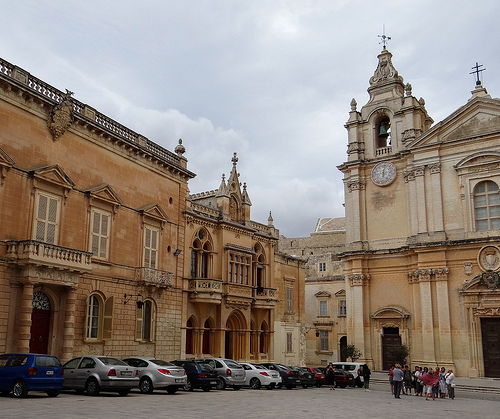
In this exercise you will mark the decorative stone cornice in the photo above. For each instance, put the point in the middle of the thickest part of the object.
(358, 279)
(356, 147)
(435, 168)
(426, 275)
(486, 312)
(356, 185)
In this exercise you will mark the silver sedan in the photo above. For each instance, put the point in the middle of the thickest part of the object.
(92, 374)
(158, 374)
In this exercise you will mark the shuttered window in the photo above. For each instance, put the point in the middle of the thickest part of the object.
(47, 218)
(99, 235)
(151, 247)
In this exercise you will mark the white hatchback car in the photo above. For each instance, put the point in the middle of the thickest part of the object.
(258, 376)
(355, 368)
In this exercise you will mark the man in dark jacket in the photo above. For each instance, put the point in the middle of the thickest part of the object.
(366, 377)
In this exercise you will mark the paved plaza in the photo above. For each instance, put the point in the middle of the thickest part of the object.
(247, 403)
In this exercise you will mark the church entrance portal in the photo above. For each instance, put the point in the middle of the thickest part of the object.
(490, 331)
(390, 341)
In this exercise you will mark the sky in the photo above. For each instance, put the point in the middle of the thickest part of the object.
(270, 80)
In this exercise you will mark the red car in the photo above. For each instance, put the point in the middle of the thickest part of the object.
(318, 376)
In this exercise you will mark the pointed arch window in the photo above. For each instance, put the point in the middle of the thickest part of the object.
(487, 206)
(201, 255)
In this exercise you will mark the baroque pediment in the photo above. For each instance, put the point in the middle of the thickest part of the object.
(477, 118)
(105, 193)
(154, 211)
(481, 161)
(324, 294)
(53, 174)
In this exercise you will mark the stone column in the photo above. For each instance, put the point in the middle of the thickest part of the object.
(437, 202)
(24, 334)
(357, 283)
(69, 325)
(428, 354)
(420, 199)
(443, 316)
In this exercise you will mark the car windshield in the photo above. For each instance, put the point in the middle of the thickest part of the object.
(317, 371)
(205, 367)
(47, 361)
(232, 364)
(108, 360)
(161, 362)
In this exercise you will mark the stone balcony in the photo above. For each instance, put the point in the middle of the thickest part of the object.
(264, 297)
(154, 277)
(45, 255)
(202, 290)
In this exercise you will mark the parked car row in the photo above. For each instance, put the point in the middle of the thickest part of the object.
(91, 374)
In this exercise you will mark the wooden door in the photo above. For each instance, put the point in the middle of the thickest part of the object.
(490, 330)
(40, 324)
(390, 341)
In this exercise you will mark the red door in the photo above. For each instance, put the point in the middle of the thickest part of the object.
(40, 322)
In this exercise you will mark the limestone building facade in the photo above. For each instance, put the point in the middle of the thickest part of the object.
(104, 252)
(244, 300)
(325, 293)
(422, 209)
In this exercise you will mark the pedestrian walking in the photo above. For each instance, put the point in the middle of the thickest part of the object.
(397, 377)
(366, 376)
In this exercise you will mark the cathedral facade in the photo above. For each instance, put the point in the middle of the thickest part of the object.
(422, 208)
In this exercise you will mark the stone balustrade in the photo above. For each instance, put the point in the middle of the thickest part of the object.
(154, 277)
(44, 254)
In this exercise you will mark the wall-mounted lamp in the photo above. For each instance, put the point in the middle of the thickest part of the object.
(177, 252)
(128, 297)
(312, 328)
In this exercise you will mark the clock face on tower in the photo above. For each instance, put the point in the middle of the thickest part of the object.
(383, 173)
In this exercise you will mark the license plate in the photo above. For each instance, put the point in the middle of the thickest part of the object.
(127, 373)
(50, 373)
(179, 380)
(214, 383)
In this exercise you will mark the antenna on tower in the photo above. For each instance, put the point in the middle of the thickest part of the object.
(384, 38)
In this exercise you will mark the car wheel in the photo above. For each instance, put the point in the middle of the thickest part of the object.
(92, 387)
(207, 388)
(255, 383)
(171, 390)
(123, 392)
(237, 387)
(53, 393)
(221, 385)
(188, 386)
(19, 389)
(146, 386)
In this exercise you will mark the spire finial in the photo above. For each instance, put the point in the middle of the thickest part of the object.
(384, 38)
(476, 72)
(234, 159)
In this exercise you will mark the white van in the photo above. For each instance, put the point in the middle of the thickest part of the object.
(355, 368)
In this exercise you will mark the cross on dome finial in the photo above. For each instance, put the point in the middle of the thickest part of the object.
(234, 159)
(476, 72)
(384, 38)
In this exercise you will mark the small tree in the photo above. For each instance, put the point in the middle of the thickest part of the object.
(350, 351)
(399, 353)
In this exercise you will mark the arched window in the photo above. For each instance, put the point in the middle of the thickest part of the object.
(189, 337)
(145, 321)
(99, 321)
(487, 206)
(259, 270)
(207, 337)
(383, 133)
(201, 255)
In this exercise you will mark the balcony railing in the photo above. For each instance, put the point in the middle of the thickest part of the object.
(155, 277)
(50, 255)
(265, 293)
(205, 285)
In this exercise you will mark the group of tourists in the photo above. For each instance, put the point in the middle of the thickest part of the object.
(433, 383)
